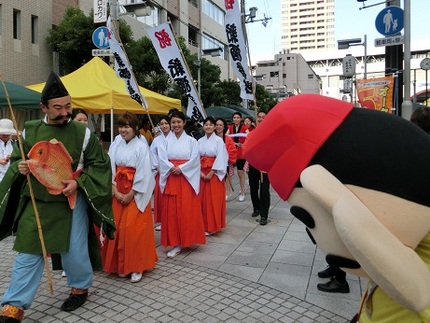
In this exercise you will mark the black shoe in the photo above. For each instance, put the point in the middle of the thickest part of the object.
(255, 213)
(11, 314)
(74, 301)
(7, 319)
(333, 286)
(263, 221)
(329, 272)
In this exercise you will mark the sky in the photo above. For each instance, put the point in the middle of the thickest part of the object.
(351, 22)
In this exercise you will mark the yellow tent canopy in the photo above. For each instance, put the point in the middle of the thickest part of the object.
(96, 88)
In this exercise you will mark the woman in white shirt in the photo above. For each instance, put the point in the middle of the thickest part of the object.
(213, 159)
(164, 124)
(133, 249)
(181, 213)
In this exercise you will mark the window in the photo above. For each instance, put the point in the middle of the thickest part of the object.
(16, 24)
(211, 43)
(34, 29)
(310, 76)
(213, 11)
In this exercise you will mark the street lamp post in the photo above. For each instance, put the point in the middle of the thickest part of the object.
(214, 52)
(346, 43)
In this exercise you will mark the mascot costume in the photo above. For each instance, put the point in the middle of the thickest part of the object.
(359, 180)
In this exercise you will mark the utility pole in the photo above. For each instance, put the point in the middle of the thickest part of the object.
(407, 106)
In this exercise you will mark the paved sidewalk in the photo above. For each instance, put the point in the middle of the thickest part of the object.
(246, 273)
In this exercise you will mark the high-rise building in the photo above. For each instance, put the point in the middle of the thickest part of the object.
(307, 25)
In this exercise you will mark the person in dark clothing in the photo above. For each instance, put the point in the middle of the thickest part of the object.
(421, 117)
(259, 186)
(337, 283)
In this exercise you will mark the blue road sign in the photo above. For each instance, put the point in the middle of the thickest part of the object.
(100, 37)
(389, 21)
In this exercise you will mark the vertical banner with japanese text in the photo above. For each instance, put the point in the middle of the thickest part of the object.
(237, 47)
(100, 11)
(171, 59)
(377, 93)
(123, 68)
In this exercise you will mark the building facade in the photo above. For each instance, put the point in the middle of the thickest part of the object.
(307, 25)
(25, 56)
(200, 22)
(287, 74)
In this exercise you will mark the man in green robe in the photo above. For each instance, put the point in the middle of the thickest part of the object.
(66, 232)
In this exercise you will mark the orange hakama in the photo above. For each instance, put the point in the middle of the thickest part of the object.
(212, 195)
(133, 249)
(181, 220)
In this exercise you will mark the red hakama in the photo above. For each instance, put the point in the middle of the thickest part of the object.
(181, 220)
(212, 194)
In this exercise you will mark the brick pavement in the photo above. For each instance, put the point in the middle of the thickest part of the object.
(246, 273)
(175, 291)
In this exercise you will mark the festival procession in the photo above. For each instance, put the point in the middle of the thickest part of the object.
(151, 173)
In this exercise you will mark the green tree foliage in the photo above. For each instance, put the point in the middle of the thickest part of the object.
(229, 93)
(265, 101)
(72, 38)
(146, 65)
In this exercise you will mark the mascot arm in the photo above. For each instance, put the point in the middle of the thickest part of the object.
(397, 269)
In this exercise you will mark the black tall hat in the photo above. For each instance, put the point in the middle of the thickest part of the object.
(54, 88)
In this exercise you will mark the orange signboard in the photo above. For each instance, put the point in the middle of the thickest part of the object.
(376, 93)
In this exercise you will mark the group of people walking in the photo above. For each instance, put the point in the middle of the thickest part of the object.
(112, 224)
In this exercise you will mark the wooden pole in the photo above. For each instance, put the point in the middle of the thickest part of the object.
(33, 200)
(245, 36)
(118, 37)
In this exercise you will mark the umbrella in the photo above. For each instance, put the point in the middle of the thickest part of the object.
(245, 112)
(220, 112)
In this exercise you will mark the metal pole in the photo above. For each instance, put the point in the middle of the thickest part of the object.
(407, 104)
(199, 67)
(365, 56)
(426, 86)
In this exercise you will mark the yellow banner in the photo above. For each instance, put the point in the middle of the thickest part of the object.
(376, 93)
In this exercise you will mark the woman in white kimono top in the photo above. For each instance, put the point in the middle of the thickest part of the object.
(181, 213)
(213, 160)
(164, 124)
(133, 249)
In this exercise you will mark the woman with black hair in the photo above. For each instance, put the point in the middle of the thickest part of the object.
(133, 250)
(181, 212)
(221, 130)
(213, 160)
(164, 126)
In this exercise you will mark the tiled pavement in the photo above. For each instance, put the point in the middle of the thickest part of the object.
(246, 273)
